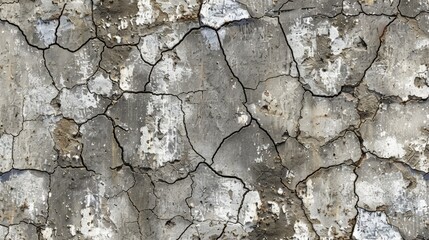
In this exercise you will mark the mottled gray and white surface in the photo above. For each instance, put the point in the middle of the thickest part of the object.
(214, 119)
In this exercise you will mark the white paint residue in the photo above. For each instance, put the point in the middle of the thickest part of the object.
(47, 233)
(146, 14)
(252, 203)
(100, 85)
(72, 229)
(46, 31)
(126, 77)
(389, 147)
(301, 231)
(243, 118)
(215, 13)
(165, 120)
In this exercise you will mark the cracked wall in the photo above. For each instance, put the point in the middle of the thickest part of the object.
(214, 119)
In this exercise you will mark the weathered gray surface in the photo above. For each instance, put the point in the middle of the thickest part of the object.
(214, 119)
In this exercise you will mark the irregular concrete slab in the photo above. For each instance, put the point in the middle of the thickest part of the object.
(397, 190)
(258, 54)
(400, 68)
(331, 214)
(33, 148)
(407, 143)
(25, 80)
(213, 105)
(333, 52)
(80, 104)
(152, 135)
(69, 69)
(322, 119)
(373, 225)
(100, 151)
(76, 26)
(214, 197)
(37, 19)
(276, 104)
(24, 197)
(412, 8)
(301, 160)
(6, 161)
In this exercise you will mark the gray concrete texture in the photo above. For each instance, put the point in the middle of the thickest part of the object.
(214, 119)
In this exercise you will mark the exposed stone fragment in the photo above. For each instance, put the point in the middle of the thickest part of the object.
(247, 155)
(302, 160)
(100, 151)
(67, 143)
(399, 131)
(322, 119)
(169, 205)
(22, 231)
(368, 102)
(333, 52)
(76, 25)
(80, 104)
(387, 7)
(215, 13)
(125, 65)
(214, 197)
(256, 50)
(37, 19)
(214, 109)
(400, 68)
(69, 69)
(152, 134)
(164, 38)
(397, 190)
(33, 148)
(171, 228)
(24, 196)
(332, 213)
(374, 225)
(276, 104)
(27, 87)
(6, 161)
(412, 8)
(122, 23)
